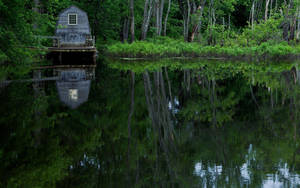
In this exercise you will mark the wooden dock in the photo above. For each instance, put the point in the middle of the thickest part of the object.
(72, 49)
(64, 67)
(57, 51)
(64, 55)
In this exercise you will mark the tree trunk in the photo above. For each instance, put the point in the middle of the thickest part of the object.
(293, 21)
(271, 8)
(132, 20)
(125, 30)
(36, 10)
(289, 23)
(145, 18)
(187, 20)
(267, 9)
(166, 18)
(159, 7)
(252, 14)
(229, 22)
(197, 26)
(298, 23)
(214, 17)
(162, 3)
(293, 28)
(184, 6)
(148, 9)
(285, 34)
(259, 8)
(157, 13)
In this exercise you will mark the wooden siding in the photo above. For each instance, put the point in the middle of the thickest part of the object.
(73, 35)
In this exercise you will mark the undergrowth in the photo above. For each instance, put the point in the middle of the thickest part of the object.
(166, 47)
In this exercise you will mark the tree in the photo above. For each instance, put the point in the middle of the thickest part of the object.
(166, 18)
(132, 24)
(267, 9)
(148, 9)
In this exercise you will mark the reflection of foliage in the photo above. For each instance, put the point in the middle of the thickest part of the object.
(227, 147)
(39, 143)
(44, 144)
(210, 102)
(228, 68)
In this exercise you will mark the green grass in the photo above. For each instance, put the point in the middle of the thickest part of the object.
(166, 47)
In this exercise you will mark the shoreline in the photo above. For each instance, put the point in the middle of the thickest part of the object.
(291, 57)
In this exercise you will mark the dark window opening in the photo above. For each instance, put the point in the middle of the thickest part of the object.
(72, 19)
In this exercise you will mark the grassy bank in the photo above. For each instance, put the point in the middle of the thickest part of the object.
(165, 47)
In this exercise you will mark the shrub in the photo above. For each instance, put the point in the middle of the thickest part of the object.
(263, 32)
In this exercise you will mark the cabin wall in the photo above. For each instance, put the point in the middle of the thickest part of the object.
(73, 35)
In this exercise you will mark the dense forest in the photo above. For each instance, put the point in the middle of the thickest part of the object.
(231, 26)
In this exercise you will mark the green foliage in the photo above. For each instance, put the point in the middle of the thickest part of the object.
(16, 34)
(166, 47)
(216, 34)
(264, 31)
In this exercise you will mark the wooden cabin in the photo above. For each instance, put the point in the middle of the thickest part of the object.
(73, 28)
(73, 42)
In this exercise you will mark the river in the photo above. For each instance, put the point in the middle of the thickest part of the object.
(168, 123)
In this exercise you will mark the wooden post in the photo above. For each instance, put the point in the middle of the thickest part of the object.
(37, 74)
(60, 58)
(94, 73)
(95, 57)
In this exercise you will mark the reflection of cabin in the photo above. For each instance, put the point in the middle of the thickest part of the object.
(89, 72)
(73, 88)
(73, 42)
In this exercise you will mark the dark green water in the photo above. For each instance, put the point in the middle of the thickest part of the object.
(155, 124)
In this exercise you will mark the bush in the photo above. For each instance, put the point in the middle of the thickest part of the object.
(262, 32)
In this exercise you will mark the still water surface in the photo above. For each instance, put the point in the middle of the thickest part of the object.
(154, 124)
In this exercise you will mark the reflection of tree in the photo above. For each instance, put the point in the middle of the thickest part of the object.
(159, 114)
(278, 96)
(39, 143)
(28, 162)
(158, 108)
(131, 112)
(210, 100)
(269, 140)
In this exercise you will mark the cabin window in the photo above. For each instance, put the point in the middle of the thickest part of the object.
(73, 94)
(72, 19)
